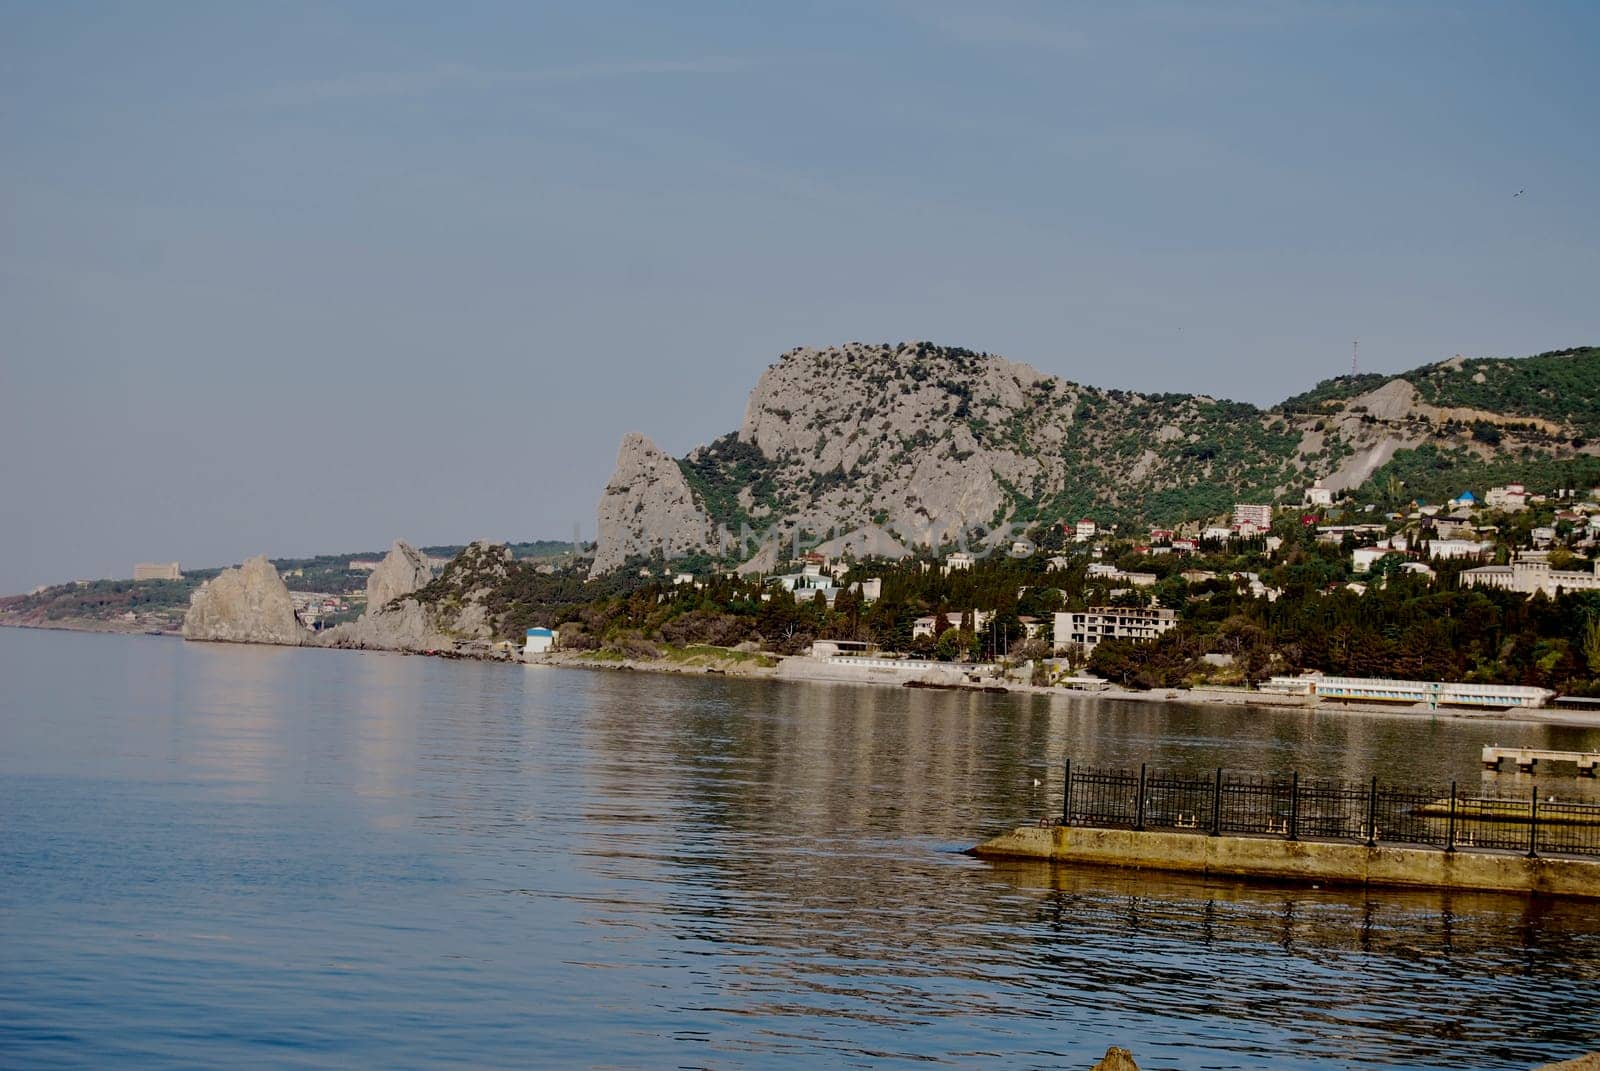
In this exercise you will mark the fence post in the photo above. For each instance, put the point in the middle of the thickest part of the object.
(1294, 807)
(1138, 822)
(1533, 823)
(1066, 793)
(1450, 830)
(1216, 806)
(1372, 815)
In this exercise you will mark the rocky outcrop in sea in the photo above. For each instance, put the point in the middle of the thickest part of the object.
(249, 604)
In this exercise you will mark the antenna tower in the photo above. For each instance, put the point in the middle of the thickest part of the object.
(1355, 358)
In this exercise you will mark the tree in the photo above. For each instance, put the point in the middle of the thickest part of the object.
(1591, 643)
(955, 644)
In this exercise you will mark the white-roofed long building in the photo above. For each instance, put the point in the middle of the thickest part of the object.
(1527, 577)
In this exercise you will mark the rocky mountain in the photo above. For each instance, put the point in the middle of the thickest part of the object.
(402, 571)
(249, 604)
(409, 610)
(649, 493)
(900, 445)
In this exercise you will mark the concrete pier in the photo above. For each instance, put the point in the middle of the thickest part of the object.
(1528, 757)
(1303, 861)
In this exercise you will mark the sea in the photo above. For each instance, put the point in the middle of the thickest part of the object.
(229, 856)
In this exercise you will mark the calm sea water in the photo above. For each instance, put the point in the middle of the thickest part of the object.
(216, 856)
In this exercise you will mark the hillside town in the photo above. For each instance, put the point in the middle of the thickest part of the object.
(1271, 597)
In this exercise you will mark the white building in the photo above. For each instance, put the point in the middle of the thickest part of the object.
(870, 590)
(1512, 498)
(1318, 495)
(538, 641)
(804, 586)
(1258, 590)
(1543, 536)
(924, 626)
(1260, 516)
(157, 571)
(1106, 571)
(1086, 628)
(1083, 531)
(1431, 693)
(1363, 558)
(957, 561)
(1457, 548)
(1217, 533)
(1526, 575)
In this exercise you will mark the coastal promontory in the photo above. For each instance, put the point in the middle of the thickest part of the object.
(248, 604)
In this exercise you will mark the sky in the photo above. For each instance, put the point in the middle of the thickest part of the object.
(298, 279)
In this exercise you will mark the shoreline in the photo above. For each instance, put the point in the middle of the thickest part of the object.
(805, 670)
(1211, 697)
(80, 624)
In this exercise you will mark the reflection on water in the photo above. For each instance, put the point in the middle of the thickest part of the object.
(215, 855)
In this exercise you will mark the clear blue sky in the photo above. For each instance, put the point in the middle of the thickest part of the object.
(297, 279)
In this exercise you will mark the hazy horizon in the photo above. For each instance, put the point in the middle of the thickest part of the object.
(307, 279)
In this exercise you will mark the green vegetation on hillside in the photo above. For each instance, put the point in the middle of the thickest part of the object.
(720, 471)
(1431, 474)
(1561, 386)
(1129, 460)
(1337, 389)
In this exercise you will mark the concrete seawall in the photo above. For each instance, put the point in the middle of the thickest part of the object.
(1307, 861)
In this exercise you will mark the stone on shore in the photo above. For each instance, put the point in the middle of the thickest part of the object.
(249, 604)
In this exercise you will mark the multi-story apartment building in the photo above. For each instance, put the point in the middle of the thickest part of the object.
(1086, 628)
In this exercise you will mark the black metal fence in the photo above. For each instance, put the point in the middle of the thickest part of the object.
(1220, 804)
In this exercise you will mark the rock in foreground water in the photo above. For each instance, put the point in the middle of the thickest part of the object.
(1116, 1059)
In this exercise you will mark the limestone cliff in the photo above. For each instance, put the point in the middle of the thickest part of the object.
(647, 506)
(899, 446)
(435, 614)
(403, 625)
(249, 604)
(401, 572)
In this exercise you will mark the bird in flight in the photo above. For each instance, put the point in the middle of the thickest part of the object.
(1519, 193)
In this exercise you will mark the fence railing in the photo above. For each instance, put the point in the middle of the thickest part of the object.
(1221, 804)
